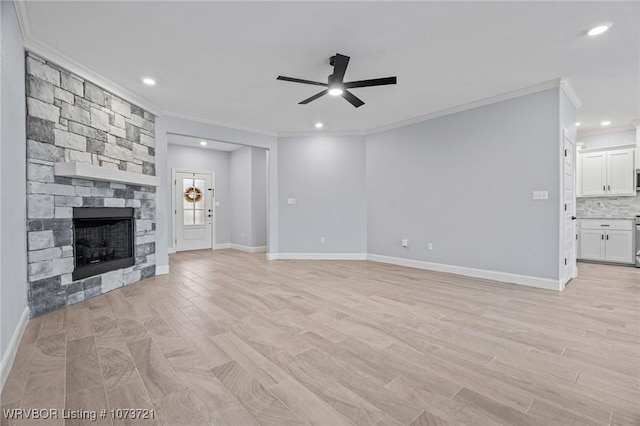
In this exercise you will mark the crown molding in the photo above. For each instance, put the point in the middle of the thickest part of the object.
(606, 130)
(475, 104)
(570, 91)
(320, 134)
(40, 48)
(23, 19)
(32, 44)
(64, 61)
(220, 124)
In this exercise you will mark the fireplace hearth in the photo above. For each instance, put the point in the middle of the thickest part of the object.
(103, 240)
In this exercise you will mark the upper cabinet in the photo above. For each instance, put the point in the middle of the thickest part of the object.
(603, 173)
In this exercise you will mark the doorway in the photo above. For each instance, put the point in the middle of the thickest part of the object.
(193, 209)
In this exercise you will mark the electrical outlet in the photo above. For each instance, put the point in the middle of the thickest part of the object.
(291, 201)
(405, 243)
(321, 240)
(429, 246)
(242, 234)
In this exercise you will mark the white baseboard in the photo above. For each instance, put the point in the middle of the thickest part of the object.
(162, 269)
(171, 250)
(537, 282)
(318, 256)
(10, 354)
(545, 283)
(247, 249)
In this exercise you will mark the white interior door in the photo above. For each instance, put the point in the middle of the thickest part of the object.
(193, 210)
(569, 198)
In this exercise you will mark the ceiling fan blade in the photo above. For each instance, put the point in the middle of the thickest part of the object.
(339, 67)
(314, 97)
(353, 99)
(373, 82)
(298, 80)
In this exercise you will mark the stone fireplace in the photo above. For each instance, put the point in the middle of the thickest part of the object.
(103, 240)
(89, 153)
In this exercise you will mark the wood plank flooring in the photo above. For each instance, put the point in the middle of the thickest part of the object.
(230, 339)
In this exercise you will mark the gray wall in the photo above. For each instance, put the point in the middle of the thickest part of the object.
(259, 196)
(626, 137)
(464, 183)
(248, 195)
(326, 176)
(13, 245)
(240, 195)
(197, 129)
(184, 157)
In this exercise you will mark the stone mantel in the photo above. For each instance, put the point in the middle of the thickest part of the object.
(74, 169)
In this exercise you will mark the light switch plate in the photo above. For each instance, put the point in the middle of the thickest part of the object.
(540, 195)
(291, 201)
(217, 203)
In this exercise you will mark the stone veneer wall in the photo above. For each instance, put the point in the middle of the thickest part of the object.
(72, 119)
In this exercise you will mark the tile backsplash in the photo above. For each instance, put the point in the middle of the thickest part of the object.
(608, 207)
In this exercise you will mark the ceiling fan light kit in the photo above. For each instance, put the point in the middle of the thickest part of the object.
(336, 86)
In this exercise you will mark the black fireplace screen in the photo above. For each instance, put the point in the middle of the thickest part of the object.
(103, 240)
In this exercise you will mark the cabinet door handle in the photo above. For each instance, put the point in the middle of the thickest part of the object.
(602, 236)
(605, 225)
(609, 187)
(604, 188)
(607, 236)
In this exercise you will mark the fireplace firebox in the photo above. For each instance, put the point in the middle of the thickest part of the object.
(103, 240)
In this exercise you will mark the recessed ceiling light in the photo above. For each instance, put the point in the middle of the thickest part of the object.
(605, 123)
(319, 125)
(577, 123)
(149, 81)
(203, 143)
(599, 29)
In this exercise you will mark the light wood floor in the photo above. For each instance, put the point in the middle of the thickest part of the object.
(229, 338)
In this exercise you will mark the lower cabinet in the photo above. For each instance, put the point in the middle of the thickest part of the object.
(619, 246)
(606, 240)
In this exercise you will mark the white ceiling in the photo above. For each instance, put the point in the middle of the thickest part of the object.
(195, 143)
(218, 61)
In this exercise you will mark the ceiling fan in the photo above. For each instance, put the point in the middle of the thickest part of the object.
(335, 84)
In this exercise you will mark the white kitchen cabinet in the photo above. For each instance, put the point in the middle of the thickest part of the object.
(619, 246)
(605, 173)
(592, 244)
(579, 175)
(594, 173)
(606, 240)
(620, 172)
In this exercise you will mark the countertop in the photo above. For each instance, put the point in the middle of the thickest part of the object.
(608, 218)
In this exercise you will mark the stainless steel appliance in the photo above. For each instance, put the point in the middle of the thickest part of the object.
(637, 247)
